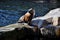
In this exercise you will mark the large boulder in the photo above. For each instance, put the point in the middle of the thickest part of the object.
(22, 34)
(52, 17)
(18, 31)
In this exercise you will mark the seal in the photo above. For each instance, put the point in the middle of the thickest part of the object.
(27, 17)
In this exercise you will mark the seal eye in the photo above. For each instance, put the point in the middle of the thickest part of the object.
(31, 11)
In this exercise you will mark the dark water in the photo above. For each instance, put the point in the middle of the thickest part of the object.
(10, 11)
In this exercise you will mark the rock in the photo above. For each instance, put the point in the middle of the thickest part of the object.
(13, 26)
(56, 21)
(58, 32)
(18, 32)
(52, 17)
(15, 34)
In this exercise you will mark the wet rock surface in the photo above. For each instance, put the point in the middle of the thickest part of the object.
(23, 34)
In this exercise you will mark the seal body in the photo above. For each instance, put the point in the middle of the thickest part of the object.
(27, 17)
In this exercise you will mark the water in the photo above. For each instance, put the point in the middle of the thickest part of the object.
(11, 11)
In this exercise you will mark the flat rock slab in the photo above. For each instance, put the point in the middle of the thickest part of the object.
(13, 26)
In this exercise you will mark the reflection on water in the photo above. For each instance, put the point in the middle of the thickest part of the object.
(12, 10)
